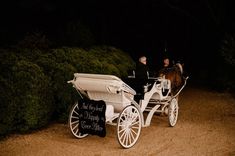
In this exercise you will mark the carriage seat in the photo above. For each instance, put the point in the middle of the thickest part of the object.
(164, 86)
(138, 86)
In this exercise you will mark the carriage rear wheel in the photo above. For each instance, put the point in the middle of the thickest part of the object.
(173, 112)
(128, 126)
(74, 122)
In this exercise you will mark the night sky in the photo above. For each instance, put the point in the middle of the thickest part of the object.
(190, 30)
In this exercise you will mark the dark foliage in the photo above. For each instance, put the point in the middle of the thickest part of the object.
(26, 101)
(226, 75)
(34, 89)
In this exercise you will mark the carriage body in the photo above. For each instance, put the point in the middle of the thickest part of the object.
(109, 88)
(121, 108)
(112, 90)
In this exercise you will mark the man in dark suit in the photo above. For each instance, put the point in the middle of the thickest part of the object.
(141, 74)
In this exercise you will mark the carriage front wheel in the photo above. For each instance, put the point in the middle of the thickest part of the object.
(74, 121)
(173, 112)
(128, 126)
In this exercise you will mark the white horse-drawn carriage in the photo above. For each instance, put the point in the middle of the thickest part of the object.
(122, 109)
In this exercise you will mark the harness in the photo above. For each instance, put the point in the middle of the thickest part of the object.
(176, 70)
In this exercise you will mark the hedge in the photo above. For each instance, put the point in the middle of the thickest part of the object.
(34, 89)
(25, 99)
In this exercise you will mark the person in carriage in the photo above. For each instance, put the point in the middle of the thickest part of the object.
(166, 66)
(141, 76)
(142, 69)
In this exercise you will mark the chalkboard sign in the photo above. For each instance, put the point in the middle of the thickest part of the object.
(92, 117)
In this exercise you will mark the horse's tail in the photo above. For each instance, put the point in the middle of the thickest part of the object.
(180, 67)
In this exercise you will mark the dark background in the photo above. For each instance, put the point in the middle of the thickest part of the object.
(190, 31)
(43, 43)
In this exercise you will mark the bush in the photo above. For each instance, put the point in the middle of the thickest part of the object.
(112, 61)
(8, 105)
(25, 97)
(225, 78)
(106, 60)
(34, 87)
(34, 98)
(60, 65)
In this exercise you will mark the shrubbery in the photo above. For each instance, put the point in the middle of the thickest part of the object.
(225, 78)
(26, 102)
(33, 82)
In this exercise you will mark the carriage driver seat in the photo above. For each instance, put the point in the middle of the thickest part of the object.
(141, 86)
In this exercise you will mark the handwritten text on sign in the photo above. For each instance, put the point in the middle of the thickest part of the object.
(92, 117)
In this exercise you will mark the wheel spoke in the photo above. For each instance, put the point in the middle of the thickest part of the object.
(76, 131)
(121, 125)
(122, 119)
(132, 136)
(122, 135)
(129, 138)
(135, 127)
(75, 126)
(76, 121)
(126, 139)
(133, 131)
(137, 122)
(125, 115)
(121, 130)
(75, 112)
(133, 117)
(75, 117)
(134, 113)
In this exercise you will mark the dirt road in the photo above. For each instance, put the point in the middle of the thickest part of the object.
(206, 126)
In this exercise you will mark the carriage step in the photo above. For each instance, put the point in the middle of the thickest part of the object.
(110, 119)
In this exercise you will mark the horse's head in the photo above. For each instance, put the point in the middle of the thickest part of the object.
(175, 69)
